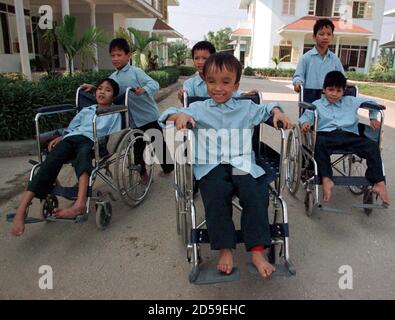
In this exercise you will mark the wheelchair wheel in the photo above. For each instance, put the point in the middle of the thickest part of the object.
(294, 160)
(48, 205)
(103, 214)
(355, 166)
(309, 203)
(131, 186)
(368, 199)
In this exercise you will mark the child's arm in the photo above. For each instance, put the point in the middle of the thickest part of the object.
(181, 120)
(179, 116)
(374, 123)
(54, 142)
(299, 75)
(115, 124)
(306, 120)
(261, 113)
(87, 87)
(149, 85)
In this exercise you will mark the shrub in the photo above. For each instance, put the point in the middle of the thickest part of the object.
(186, 71)
(358, 76)
(249, 71)
(165, 76)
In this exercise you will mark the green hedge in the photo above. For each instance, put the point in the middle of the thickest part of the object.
(165, 76)
(372, 76)
(269, 72)
(186, 71)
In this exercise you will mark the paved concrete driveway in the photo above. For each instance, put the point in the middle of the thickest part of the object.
(140, 256)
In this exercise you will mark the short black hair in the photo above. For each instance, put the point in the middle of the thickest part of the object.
(119, 43)
(203, 45)
(223, 61)
(321, 23)
(113, 84)
(335, 79)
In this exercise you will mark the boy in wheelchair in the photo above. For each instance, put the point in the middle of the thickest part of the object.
(76, 146)
(221, 179)
(337, 128)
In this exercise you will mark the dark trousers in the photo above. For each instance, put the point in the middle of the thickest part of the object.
(77, 149)
(217, 189)
(166, 162)
(328, 142)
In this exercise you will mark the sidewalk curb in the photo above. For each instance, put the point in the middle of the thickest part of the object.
(9, 149)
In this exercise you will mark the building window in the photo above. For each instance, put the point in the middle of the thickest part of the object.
(8, 30)
(288, 7)
(312, 7)
(285, 51)
(353, 56)
(336, 8)
(358, 10)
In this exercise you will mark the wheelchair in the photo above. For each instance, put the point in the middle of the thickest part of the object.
(193, 232)
(116, 149)
(301, 168)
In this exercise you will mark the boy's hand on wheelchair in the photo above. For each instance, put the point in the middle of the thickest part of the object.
(375, 124)
(278, 116)
(54, 142)
(183, 120)
(139, 91)
(297, 87)
(306, 127)
(87, 87)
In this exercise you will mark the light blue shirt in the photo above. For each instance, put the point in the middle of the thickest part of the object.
(312, 68)
(142, 109)
(197, 87)
(342, 115)
(82, 124)
(224, 133)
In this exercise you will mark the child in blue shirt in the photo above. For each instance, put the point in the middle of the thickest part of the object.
(316, 63)
(235, 170)
(76, 144)
(337, 128)
(143, 110)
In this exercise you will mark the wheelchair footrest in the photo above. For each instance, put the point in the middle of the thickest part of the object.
(79, 219)
(28, 220)
(370, 206)
(332, 210)
(281, 270)
(206, 275)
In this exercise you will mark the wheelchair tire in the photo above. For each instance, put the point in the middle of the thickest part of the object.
(48, 205)
(356, 167)
(294, 160)
(130, 185)
(103, 215)
(368, 199)
(309, 203)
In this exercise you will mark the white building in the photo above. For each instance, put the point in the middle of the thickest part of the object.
(285, 28)
(21, 38)
(391, 44)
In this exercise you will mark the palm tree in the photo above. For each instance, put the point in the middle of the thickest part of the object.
(140, 46)
(66, 34)
(277, 60)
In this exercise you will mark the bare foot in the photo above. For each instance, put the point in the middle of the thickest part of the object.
(69, 213)
(327, 185)
(381, 189)
(225, 262)
(18, 225)
(260, 262)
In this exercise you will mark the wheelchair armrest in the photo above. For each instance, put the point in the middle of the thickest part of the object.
(270, 123)
(111, 110)
(307, 105)
(372, 106)
(55, 108)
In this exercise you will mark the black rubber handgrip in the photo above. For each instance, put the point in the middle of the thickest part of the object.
(189, 126)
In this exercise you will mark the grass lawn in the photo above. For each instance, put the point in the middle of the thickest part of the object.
(377, 90)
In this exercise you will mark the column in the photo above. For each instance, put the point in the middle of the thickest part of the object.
(22, 39)
(337, 46)
(369, 55)
(93, 25)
